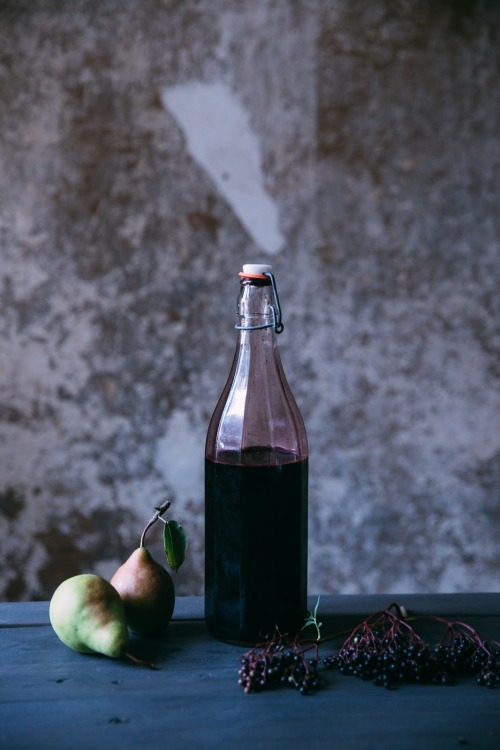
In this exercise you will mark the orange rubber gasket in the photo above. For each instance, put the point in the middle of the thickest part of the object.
(252, 275)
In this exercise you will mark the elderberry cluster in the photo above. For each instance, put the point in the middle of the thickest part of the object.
(278, 662)
(387, 650)
(461, 651)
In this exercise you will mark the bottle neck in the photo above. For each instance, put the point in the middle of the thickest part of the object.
(255, 305)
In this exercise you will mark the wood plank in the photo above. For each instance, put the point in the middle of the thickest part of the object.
(37, 613)
(347, 606)
(445, 605)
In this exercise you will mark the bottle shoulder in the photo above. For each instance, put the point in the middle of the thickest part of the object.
(257, 412)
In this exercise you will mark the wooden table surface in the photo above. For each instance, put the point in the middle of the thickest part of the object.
(52, 697)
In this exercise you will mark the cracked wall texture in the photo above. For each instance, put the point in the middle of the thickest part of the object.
(373, 139)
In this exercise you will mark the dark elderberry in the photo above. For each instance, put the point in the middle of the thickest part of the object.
(279, 661)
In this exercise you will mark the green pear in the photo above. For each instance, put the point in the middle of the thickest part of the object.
(147, 591)
(88, 615)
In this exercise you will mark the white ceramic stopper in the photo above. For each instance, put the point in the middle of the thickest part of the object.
(257, 268)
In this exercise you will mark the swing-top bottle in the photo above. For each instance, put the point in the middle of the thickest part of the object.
(256, 482)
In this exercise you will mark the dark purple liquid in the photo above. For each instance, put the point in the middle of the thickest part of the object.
(255, 549)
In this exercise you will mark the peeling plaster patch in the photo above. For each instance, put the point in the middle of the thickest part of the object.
(179, 458)
(220, 138)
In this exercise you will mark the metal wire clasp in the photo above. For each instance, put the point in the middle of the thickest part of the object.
(277, 323)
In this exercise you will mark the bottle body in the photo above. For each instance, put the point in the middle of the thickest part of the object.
(256, 482)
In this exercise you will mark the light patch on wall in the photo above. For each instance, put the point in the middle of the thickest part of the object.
(25, 277)
(220, 138)
(179, 458)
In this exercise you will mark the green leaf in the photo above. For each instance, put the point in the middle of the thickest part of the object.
(176, 542)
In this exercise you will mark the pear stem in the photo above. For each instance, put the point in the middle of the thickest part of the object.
(140, 662)
(160, 510)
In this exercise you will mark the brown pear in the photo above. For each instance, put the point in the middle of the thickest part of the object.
(147, 591)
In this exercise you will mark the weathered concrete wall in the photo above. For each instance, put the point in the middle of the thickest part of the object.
(147, 150)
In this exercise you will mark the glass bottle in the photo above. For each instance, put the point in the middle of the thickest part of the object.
(256, 483)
